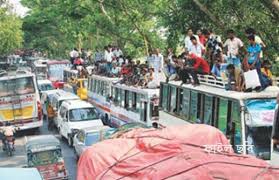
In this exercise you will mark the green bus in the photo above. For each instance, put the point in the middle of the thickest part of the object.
(245, 118)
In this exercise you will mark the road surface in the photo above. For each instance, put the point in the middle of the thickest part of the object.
(19, 157)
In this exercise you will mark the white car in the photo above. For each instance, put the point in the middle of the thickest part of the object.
(87, 136)
(57, 100)
(74, 115)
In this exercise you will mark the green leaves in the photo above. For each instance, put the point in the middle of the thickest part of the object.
(11, 35)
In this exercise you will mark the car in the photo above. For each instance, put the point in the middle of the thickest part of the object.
(58, 99)
(44, 85)
(74, 115)
(87, 136)
(44, 153)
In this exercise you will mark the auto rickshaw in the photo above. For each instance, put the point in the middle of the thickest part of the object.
(44, 153)
(77, 86)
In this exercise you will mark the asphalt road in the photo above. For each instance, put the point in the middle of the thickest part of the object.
(19, 157)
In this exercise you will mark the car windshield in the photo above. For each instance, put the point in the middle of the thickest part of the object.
(83, 114)
(259, 121)
(44, 157)
(20, 86)
(92, 138)
(45, 87)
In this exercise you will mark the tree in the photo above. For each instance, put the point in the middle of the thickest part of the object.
(11, 35)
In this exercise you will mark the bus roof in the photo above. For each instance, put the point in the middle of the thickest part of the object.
(105, 78)
(58, 62)
(15, 74)
(149, 92)
(270, 92)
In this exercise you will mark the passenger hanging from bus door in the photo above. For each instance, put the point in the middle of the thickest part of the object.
(275, 136)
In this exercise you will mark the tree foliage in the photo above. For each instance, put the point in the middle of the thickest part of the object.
(11, 35)
(221, 15)
(59, 25)
(134, 25)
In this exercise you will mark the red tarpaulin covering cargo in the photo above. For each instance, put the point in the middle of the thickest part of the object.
(170, 153)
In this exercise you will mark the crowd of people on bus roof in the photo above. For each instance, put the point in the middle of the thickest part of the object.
(204, 53)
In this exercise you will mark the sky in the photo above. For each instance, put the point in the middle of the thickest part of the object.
(18, 8)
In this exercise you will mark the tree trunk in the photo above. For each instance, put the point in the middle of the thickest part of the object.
(213, 18)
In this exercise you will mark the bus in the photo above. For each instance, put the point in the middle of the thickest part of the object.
(74, 84)
(119, 104)
(55, 72)
(246, 118)
(20, 100)
(40, 68)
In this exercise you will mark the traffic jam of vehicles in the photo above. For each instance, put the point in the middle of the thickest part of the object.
(119, 131)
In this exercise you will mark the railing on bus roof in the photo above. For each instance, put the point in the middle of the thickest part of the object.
(210, 80)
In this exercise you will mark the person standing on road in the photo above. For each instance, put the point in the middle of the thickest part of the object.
(50, 116)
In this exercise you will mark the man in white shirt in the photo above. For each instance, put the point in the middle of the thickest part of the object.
(73, 55)
(117, 52)
(233, 45)
(108, 55)
(196, 48)
(158, 61)
(188, 41)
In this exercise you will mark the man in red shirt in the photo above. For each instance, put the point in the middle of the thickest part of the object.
(200, 66)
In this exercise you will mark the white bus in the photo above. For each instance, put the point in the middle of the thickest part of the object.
(120, 104)
(246, 118)
(20, 100)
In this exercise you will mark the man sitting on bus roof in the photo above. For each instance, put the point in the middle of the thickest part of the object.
(235, 79)
(200, 66)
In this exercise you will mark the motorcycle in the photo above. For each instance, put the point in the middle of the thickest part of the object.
(9, 141)
(9, 145)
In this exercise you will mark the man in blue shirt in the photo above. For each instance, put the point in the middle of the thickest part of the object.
(253, 57)
(169, 70)
(254, 51)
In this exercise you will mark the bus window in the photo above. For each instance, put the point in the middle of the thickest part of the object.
(179, 101)
(138, 99)
(185, 104)
(173, 99)
(222, 115)
(207, 109)
(126, 105)
(235, 119)
(194, 106)
(164, 97)
(24, 85)
(133, 101)
(122, 97)
(94, 83)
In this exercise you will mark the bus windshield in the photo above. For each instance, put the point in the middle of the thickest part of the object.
(24, 85)
(55, 71)
(259, 123)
